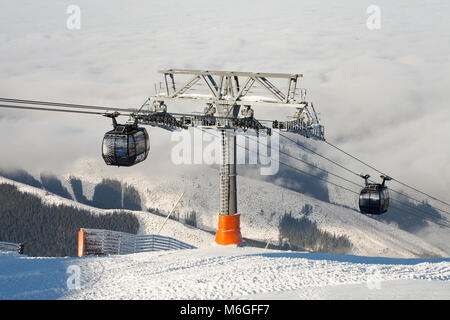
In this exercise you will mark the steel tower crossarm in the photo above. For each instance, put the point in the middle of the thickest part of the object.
(231, 87)
(230, 73)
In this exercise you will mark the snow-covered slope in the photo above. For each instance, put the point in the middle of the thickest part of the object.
(224, 273)
(217, 272)
(149, 223)
(261, 205)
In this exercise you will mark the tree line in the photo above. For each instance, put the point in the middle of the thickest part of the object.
(51, 230)
(108, 194)
(302, 234)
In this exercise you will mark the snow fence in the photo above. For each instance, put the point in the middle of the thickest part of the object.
(11, 247)
(99, 241)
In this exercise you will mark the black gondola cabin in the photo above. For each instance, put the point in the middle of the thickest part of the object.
(125, 145)
(374, 198)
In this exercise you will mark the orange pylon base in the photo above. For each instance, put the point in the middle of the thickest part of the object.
(229, 230)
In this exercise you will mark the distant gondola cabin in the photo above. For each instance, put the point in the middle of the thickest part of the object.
(374, 197)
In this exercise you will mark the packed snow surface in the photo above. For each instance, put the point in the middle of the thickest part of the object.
(220, 272)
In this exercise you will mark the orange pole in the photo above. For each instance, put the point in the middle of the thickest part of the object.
(81, 239)
(229, 231)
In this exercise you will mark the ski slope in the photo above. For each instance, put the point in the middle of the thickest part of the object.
(216, 272)
(224, 273)
(148, 223)
(262, 204)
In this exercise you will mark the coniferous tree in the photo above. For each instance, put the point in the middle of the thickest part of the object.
(303, 234)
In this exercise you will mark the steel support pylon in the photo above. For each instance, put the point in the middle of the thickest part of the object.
(228, 231)
(228, 173)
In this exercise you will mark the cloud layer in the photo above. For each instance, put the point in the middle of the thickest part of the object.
(382, 94)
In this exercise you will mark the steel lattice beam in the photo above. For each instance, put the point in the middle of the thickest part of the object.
(225, 87)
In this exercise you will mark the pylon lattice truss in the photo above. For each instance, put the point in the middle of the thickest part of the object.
(224, 93)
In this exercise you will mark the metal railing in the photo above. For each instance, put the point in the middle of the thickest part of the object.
(11, 247)
(99, 241)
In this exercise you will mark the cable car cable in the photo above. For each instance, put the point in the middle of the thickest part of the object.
(50, 109)
(292, 167)
(318, 154)
(311, 164)
(337, 185)
(373, 168)
(421, 217)
(340, 177)
(128, 110)
(342, 187)
(353, 172)
(63, 105)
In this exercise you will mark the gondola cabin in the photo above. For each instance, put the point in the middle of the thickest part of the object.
(374, 197)
(125, 145)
